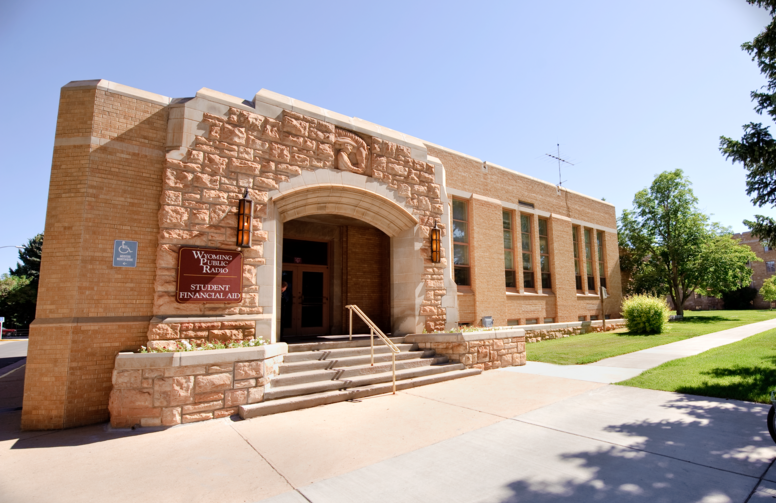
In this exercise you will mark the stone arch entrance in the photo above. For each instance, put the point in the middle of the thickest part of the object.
(381, 212)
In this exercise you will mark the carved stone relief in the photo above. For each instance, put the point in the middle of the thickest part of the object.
(352, 152)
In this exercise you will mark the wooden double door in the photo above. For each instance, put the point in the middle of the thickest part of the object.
(304, 308)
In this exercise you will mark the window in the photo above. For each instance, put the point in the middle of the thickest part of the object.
(549, 320)
(544, 255)
(513, 323)
(608, 317)
(593, 317)
(575, 232)
(464, 324)
(461, 271)
(525, 232)
(770, 267)
(581, 318)
(589, 261)
(601, 268)
(509, 255)
(532, 321)
(527, 205)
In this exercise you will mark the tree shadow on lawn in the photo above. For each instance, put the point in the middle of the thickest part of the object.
(705, 320)
(698, 450)
(754, 383)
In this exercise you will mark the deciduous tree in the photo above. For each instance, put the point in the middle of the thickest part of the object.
(676, 246)
(19, 289)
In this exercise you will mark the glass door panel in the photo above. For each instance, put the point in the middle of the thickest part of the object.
(313, 299)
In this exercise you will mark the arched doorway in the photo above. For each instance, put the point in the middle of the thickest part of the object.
(328, 262)
(373, 215)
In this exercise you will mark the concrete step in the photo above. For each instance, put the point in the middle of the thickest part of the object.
(358, 341)
(302, 402)
(305, 366)
(273, 393)
(340, 373)
(336, 354)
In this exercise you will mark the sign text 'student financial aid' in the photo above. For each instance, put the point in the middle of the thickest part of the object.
(209, 275)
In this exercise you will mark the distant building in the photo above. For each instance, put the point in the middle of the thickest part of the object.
(760, 270)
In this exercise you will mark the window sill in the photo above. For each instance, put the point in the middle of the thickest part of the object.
(465, 291)
(530, 294)
(591, 295)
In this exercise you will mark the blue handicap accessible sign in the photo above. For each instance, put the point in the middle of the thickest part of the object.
(124, 253)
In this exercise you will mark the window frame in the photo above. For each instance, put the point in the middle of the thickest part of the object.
(466, 244)
(577, 258)
(601, 243)
(523, 253)
(588, 243)
(772, 267)
(542, 256)
(513, 250)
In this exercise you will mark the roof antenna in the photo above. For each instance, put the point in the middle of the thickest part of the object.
(560, 178)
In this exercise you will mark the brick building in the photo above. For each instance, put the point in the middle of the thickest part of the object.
(760, 270)
(344, 211)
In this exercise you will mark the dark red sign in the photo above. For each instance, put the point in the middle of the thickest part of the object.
(209, 275)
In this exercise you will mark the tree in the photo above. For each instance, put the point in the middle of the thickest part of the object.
(675, 245)
(768, 290)
(19, 289)
(756, 150)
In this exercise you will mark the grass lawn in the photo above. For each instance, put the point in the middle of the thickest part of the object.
(744, 370)
(589, 348)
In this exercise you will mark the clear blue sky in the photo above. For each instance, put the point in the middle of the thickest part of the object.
(628, 89)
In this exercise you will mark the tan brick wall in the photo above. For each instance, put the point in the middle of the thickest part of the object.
(99, 192)
(466, 174)
(486, 250)
(368, 276)
(488, 295)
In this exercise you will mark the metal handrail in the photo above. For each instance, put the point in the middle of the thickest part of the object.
(372, 330)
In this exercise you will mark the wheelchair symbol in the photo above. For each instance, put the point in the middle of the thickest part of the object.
(124, 248)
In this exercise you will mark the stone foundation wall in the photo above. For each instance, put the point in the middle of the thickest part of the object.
(168, 335)
(536, 333)
(165, 389)
(480, 350)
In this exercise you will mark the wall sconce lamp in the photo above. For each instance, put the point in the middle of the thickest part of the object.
(245, 221)
(436, 243)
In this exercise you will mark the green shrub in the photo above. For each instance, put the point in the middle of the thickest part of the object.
(645, 314)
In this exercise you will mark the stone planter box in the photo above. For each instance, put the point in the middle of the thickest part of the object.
(165, 389)
(482, 349)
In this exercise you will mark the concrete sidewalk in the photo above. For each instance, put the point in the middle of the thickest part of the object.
(499, 436)
(620, 368)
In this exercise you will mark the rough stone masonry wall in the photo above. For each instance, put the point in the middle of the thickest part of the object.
(484, 354)
(168, 395)
(247, 150)
(560, 333)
